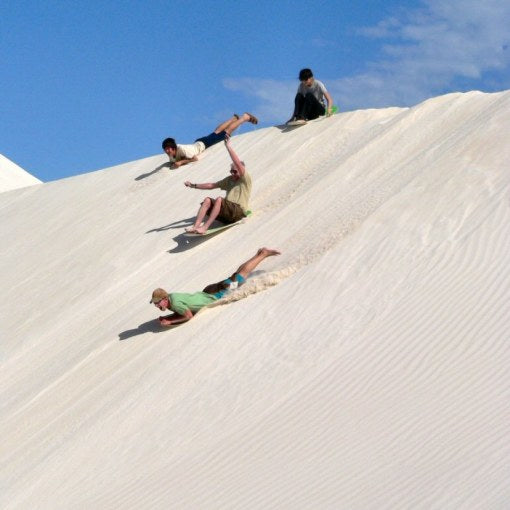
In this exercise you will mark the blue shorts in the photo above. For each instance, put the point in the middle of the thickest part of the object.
(212, 138)
(231, 285)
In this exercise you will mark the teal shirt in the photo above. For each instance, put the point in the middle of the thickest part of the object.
(180, 301)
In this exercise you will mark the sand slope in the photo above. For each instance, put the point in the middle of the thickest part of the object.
(366, 367)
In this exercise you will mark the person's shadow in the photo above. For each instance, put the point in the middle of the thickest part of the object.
(184, 243)
(157, 169)
(176, 224)
(151, 326)
(285, 128)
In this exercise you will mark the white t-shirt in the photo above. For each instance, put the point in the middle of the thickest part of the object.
(318, 89)
(188, 151)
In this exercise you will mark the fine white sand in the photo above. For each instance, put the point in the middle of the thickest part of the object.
(366, 367)
(13, 176)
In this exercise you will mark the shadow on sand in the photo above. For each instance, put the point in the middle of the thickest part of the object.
(176, 224)
(185, 243)
(157, 169)
(151, 326)
(284, 128)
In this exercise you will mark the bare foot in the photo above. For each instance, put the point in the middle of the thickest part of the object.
(200, 230)
(190, 230)
(268, 252)
(251, 118)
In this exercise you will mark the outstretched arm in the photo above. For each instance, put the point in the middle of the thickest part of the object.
(175, 318)
(235, 158)
(329, 99)
(182, 162)
(203, 185)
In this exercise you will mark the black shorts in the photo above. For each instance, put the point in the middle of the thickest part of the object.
(212, 138)
(221, 288)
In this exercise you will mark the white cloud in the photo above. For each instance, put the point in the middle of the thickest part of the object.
(441, 47)
(431, 50)
(273, 96)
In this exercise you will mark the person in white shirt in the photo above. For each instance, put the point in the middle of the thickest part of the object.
(309, 101)
(183, 154)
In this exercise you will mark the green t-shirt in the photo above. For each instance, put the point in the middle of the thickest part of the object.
(237, 191)
(180, 301)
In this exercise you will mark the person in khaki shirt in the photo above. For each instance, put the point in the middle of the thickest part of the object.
(234, 206)
(183, 154)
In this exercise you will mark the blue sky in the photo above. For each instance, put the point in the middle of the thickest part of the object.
(86, 84)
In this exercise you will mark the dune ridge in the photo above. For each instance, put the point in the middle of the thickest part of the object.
(12, 176)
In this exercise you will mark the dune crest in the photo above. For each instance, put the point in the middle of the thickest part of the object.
(13, 176)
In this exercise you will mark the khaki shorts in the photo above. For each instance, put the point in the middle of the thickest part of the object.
(230, 212)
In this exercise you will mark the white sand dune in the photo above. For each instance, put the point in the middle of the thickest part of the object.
(367, 367)
(13, 176)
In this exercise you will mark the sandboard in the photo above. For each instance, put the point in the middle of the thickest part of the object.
(215, 230)
(302, 122)
(299, 122)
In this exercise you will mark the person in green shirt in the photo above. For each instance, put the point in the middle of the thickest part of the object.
(234, 206)
(185, 305)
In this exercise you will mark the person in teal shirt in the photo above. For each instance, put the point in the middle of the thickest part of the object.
(185, 305)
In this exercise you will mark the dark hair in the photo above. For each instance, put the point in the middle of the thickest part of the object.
(169, 142)
(304, 74)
